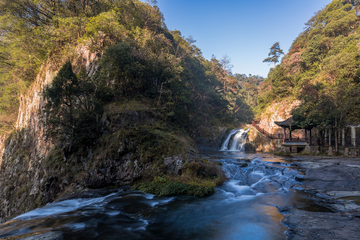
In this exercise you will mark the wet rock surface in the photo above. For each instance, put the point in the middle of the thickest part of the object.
(335, 182)
(45, 236)
(322, 225)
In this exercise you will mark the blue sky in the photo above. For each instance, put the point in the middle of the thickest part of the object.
(242, 30)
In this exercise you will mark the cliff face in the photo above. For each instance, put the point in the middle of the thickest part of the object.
(278, 111)
(22, 173)
(2, 144)
(36, 170)
(260, 143)
(25, 179)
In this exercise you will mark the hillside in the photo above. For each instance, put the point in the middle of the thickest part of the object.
(321, 70)
(101, 94)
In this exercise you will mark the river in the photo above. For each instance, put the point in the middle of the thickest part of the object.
(245, 207)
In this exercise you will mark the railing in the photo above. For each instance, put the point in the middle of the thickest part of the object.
(297, 140)
(351, 142)
(267, 134)
(324, 141)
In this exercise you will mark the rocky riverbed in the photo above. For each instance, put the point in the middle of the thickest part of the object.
(266, 197)
(335, 183)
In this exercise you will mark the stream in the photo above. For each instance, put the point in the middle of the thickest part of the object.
(244, 207)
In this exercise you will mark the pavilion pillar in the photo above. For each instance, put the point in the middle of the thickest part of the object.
(290, 132)
(353, 136)
(310, 137)
(329, 137)
(343, 136)
(284, 132)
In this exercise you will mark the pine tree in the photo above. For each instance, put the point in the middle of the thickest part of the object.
(274, 54)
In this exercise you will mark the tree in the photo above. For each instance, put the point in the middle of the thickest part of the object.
(225, 69)
(274, 54)
(71, 110)
(322, 108)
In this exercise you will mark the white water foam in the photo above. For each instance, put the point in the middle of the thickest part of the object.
(160, 202)
(77, 226)
(62, 207)
(240, 189)
(238, 137)
(240, 198)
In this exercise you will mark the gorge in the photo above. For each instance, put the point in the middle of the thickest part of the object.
(113, 126)
(245, 206)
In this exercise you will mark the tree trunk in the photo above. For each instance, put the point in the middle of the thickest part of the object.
(336, 135)
(336, 140)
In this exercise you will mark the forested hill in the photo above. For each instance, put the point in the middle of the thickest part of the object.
(146, 60)
(106, 96)
(322, 69)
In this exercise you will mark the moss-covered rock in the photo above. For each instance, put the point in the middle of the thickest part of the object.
(196, 178)
(283, 154)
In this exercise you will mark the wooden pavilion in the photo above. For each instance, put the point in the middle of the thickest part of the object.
(291, 126)
(299, 143)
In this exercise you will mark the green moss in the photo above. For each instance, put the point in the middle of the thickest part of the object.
(54, 160)
(37, 202)
(170, 186)
(228, 130)
(9, 190)
(146, 143)
(337, 154)
(7, 141)
(219, 163)
(283, 154)
(303, 153)
(198, 178)
(23, 189)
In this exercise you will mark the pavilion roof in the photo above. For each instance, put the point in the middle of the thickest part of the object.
(288, 123)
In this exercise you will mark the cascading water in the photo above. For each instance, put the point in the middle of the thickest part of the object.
(235, 141)
(244, 207)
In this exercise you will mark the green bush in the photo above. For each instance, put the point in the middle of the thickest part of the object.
(198, 178)
(170, 186)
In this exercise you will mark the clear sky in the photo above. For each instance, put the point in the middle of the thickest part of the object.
(244, 30)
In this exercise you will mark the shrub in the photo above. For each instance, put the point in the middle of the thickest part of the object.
(197, 179)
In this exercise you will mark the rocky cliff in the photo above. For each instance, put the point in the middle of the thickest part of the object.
(133, 145)
(35, 170)
(277, 111)
(260, 143)
(24, 177)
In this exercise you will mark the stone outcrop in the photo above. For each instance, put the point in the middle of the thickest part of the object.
(22, 173)
(2, 146)
(335, 184)
(277, 112)
(260, 143)
(27, 155)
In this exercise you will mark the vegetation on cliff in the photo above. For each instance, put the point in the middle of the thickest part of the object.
(143, 97)
(321, 69)
(147, 58)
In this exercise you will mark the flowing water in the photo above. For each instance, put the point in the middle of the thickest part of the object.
(245, 207)
(235, 141)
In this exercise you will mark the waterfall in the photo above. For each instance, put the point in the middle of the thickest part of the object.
(235, 141)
